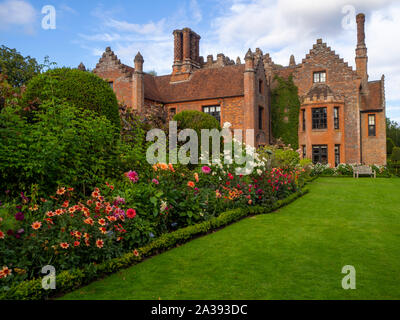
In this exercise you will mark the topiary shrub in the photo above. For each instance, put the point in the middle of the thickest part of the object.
(396, 155)
(196, 120)
(81, 89)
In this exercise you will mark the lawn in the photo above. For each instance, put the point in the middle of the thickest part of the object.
(295, 253)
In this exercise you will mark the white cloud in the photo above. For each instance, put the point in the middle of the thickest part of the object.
(195, 10)
(66, 8)
(17, 13)
(285, 27)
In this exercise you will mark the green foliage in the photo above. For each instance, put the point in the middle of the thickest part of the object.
(285, 98)
(196, 120)
(18, 69)
(62, 145)
(83, 90)
(389, 145)
(393, 132)
(396, 154)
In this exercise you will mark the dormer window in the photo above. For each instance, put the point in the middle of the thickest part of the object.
(320, 77)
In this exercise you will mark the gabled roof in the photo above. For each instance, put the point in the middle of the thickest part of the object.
(375, 99)
(210, 83)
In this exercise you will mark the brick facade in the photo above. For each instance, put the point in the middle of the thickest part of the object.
(242, 91)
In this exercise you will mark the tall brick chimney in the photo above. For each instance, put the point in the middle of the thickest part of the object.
(361, 50)
(186, 52)
(249, 86)
(138, 84)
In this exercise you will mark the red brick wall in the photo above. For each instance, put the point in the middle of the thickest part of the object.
(374, 148)
(329, 136)
(110, 68)
(343, 81)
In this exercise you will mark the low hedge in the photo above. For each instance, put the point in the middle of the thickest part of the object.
(70, 280)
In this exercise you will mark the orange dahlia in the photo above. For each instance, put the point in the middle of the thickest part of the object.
(61, 191)
(191, 184)
(64, 245)
(103, 230)
(101, 222)
(36, 225)
(89, 221)
(99, 243)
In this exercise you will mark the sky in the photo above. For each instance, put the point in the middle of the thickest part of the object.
(83, 29)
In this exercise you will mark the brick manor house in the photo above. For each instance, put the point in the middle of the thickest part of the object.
(342, 115)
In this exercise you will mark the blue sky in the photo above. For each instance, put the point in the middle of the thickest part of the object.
(280, 27)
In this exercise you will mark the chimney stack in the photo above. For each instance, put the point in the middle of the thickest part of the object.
(138, 84)
(186, 51)
(361, 51)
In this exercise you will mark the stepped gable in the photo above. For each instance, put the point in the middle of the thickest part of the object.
(206, 83)
(321, 48)
(109, 60)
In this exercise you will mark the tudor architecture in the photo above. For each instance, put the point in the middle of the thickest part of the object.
(342, 115)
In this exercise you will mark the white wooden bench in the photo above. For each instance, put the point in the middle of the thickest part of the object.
(363, 170)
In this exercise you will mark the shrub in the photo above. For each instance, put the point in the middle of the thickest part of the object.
(395, 155)
(63, 145)
(196, 120)
(80, 89)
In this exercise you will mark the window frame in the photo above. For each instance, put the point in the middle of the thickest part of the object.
(319, 76)
(303, 112)
(319, 119)
(304, 147)
(320, 153)
(337, 155)
(111, 84)
(216, 113)
(371, 127)
(260, 118)
(336, 118)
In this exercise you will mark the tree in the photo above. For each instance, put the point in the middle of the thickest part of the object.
(396, 155)
(393, 131)
(18, 69)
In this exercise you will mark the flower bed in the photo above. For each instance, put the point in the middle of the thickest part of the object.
(70, 233)
(72, 279)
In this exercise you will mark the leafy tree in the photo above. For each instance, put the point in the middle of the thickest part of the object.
(389, 145)
(396, 155)
(393, 131)
(18, 69)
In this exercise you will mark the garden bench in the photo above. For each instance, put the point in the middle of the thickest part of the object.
(363, 170)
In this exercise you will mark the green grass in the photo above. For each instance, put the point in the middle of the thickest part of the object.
(295, 253)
